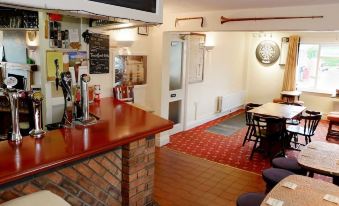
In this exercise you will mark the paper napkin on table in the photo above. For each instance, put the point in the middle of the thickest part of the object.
(290, 185)
(274, 202)
(331, 198)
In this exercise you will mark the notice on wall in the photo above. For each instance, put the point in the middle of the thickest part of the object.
(98, 54)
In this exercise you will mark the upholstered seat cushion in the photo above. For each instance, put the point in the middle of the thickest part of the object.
(290, 164)
(277, 100)
(333, 116)
(273, 176)
(250, 199)
(41, 198)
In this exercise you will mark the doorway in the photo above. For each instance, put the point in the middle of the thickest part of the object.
(177, 83)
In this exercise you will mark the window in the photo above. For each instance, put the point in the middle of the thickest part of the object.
(318, 68)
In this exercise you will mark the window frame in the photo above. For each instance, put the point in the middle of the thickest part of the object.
(314, 88)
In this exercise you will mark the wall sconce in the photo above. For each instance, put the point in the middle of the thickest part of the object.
(209, 47)
(32, 39)
(123, 37)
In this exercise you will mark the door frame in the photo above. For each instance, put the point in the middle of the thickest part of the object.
(183, 116)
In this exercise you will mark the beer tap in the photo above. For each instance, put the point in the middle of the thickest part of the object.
(66, 85)
(37, 98)
(85, 118)
(13, 96)
(56, 63)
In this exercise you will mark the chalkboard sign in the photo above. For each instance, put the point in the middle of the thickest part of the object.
(98, 54)
(143, 5)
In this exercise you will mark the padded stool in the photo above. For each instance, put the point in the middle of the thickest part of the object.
(41, 198)
(273, 176)
(290, 164)
(250, 199)
(278, 100)
(333, 118)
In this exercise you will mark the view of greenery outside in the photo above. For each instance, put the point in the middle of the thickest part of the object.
(318, 67)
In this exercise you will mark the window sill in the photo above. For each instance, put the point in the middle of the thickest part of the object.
(315, 91)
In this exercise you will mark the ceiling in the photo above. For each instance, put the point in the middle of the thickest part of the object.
(179, 6)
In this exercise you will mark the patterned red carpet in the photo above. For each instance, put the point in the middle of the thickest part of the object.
(228, 150)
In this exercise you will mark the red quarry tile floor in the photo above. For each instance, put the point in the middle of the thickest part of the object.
(228, 150)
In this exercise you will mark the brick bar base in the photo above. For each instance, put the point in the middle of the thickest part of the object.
(138, 172)
(123, 176)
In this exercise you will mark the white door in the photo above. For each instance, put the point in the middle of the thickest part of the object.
(177, 84)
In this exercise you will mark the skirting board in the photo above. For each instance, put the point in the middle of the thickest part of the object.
(162, 139)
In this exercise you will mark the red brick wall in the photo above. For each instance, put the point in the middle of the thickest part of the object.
(138, 172)
(120, 177)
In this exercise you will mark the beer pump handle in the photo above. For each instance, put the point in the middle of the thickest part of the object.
(56, 63)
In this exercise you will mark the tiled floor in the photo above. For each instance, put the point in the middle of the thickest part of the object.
(181, 180)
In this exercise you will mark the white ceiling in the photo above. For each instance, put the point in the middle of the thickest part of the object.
(179, 6)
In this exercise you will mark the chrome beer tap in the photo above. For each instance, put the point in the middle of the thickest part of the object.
(13, 96)
(85, 118)
(37, 98)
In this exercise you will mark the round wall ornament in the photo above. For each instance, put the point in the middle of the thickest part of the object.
(267, 52)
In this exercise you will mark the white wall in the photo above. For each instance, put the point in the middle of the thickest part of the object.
(265, 82)
(224, 73)
(212, 19)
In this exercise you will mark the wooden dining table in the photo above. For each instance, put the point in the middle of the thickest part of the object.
(308, 192)
(284, 111)
(322, 158)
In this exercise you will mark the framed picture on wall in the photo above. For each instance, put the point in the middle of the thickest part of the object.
(196, 58)
(130, 69)
(143, 30)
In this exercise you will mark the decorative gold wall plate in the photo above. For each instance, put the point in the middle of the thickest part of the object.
(267, 52)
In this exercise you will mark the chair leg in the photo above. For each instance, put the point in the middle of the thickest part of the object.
(329, 130)
(254, 147)
(295, 140)
(306, 140)
(247, 135)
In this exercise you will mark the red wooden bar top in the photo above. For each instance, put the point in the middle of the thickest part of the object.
(119, 124)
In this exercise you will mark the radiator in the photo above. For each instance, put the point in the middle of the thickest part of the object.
(230, 101)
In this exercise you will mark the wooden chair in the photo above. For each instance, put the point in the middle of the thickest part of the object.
(311, 121)
(269, 134)
(333, 118)
(249, 122)
(124, 93)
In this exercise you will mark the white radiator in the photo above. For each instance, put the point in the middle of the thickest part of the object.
(230, 101)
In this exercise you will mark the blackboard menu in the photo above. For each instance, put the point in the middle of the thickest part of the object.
(98, 54)
(143, 5)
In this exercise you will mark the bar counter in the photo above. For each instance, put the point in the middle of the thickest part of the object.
(123, 139)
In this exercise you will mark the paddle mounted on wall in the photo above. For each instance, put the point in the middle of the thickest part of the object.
(225, 20)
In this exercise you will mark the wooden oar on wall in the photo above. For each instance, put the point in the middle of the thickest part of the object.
(225, 20)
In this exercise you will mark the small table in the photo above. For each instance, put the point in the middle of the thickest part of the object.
(278, 110)
(290, 95)
(321, 158)
(309, 191)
